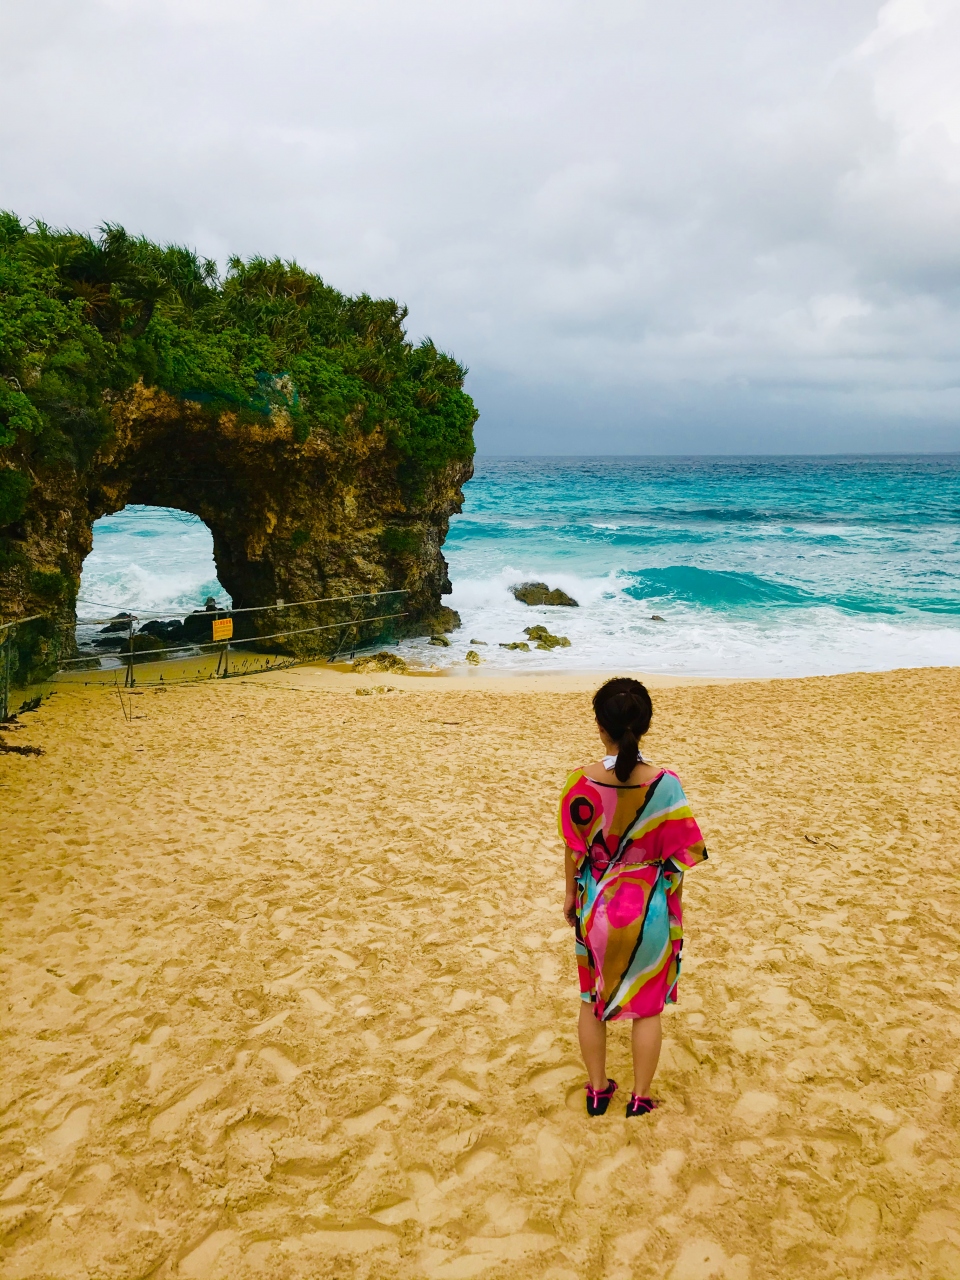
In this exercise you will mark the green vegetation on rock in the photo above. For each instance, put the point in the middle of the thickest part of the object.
(83, 319)
(324, 450)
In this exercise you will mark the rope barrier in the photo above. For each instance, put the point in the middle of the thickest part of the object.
(175, 653)
(216, 645)
(20, 621)
(155, 615)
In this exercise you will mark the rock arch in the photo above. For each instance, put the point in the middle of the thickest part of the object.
(291, 520)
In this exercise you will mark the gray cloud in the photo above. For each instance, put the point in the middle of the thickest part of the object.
(706, 227)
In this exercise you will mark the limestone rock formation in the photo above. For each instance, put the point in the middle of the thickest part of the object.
(290, 520)
(325, 451)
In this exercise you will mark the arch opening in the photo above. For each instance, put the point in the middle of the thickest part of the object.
(155, 563)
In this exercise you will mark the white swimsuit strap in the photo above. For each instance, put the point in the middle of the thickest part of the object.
(610, 761)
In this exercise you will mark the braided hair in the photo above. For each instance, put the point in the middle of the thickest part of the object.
(624, 711)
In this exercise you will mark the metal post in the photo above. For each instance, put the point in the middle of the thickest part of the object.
(5, 704)
(129, 680)
(226, 660)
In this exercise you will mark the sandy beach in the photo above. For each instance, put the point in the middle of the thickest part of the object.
(288, 992)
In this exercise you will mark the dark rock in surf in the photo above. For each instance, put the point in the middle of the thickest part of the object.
(170, 632)
(545, 640)
(120, 622)
(539, 593)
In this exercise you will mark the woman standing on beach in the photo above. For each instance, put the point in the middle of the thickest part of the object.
(629, 836)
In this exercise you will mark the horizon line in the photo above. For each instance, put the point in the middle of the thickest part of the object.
(898, 453)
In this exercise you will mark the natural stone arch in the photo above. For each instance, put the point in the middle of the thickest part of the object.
(322, 446)
(290, 520)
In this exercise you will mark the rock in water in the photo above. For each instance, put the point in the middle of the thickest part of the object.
(380, 662)
(120, 622)
(197, 627)
(473, 658)
(442, 641)
(545, 640)
(517, 644)
(170, 631)
(540, 593)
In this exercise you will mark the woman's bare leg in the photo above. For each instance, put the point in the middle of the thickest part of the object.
(646, 1038)
(593, 1045)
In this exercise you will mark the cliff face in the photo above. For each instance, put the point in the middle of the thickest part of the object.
(329, 516)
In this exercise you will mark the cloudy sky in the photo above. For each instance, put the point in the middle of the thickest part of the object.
(708, 226)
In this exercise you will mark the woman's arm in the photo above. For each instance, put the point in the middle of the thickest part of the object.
(570, 894)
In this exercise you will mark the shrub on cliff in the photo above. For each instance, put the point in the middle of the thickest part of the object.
(84, 318)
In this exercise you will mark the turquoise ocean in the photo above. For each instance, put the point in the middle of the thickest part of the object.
(757, 566)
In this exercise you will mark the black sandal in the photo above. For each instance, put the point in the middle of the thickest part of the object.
(599, 1099)
(638, 1106)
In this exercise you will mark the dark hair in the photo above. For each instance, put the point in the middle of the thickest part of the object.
(624, 711)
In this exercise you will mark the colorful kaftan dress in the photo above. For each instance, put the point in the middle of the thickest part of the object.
(632, 845)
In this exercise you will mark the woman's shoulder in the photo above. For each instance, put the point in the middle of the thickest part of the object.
(574, 779)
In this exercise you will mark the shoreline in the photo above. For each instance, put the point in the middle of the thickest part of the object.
(339, 677)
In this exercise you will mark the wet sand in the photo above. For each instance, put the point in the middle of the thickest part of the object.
(288, 992)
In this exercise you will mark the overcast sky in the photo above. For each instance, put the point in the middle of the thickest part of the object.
(704, 226)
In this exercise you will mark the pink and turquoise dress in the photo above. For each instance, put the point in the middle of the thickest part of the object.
(632, 845)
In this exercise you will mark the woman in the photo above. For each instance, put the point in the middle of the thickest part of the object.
(629, 837)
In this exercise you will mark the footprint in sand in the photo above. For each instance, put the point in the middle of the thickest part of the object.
(85, 1189)
(553, 1161)
(662, 1174)
(315, 1001)
(749, 1040)
(458, 1086)
(166, 1123)
(461, 999)
(706, 1260)
(540, 1044)
(702, 1197)
(592, 1187)
(144, 1051)
(72, 1130)
(492, 1250)
(285, 1070)
(756, 1108)
(623, 1251)
(415, 1041)
(268, 1024)
(477, 1160)
(861, 1225)
(198, 1263)
(21, 1184)
(341, 1240)
(900, 1148)
(674, 1057)
(552, 1080)
(358, 1125)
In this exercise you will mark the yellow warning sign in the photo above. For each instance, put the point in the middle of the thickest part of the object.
(222, 628)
